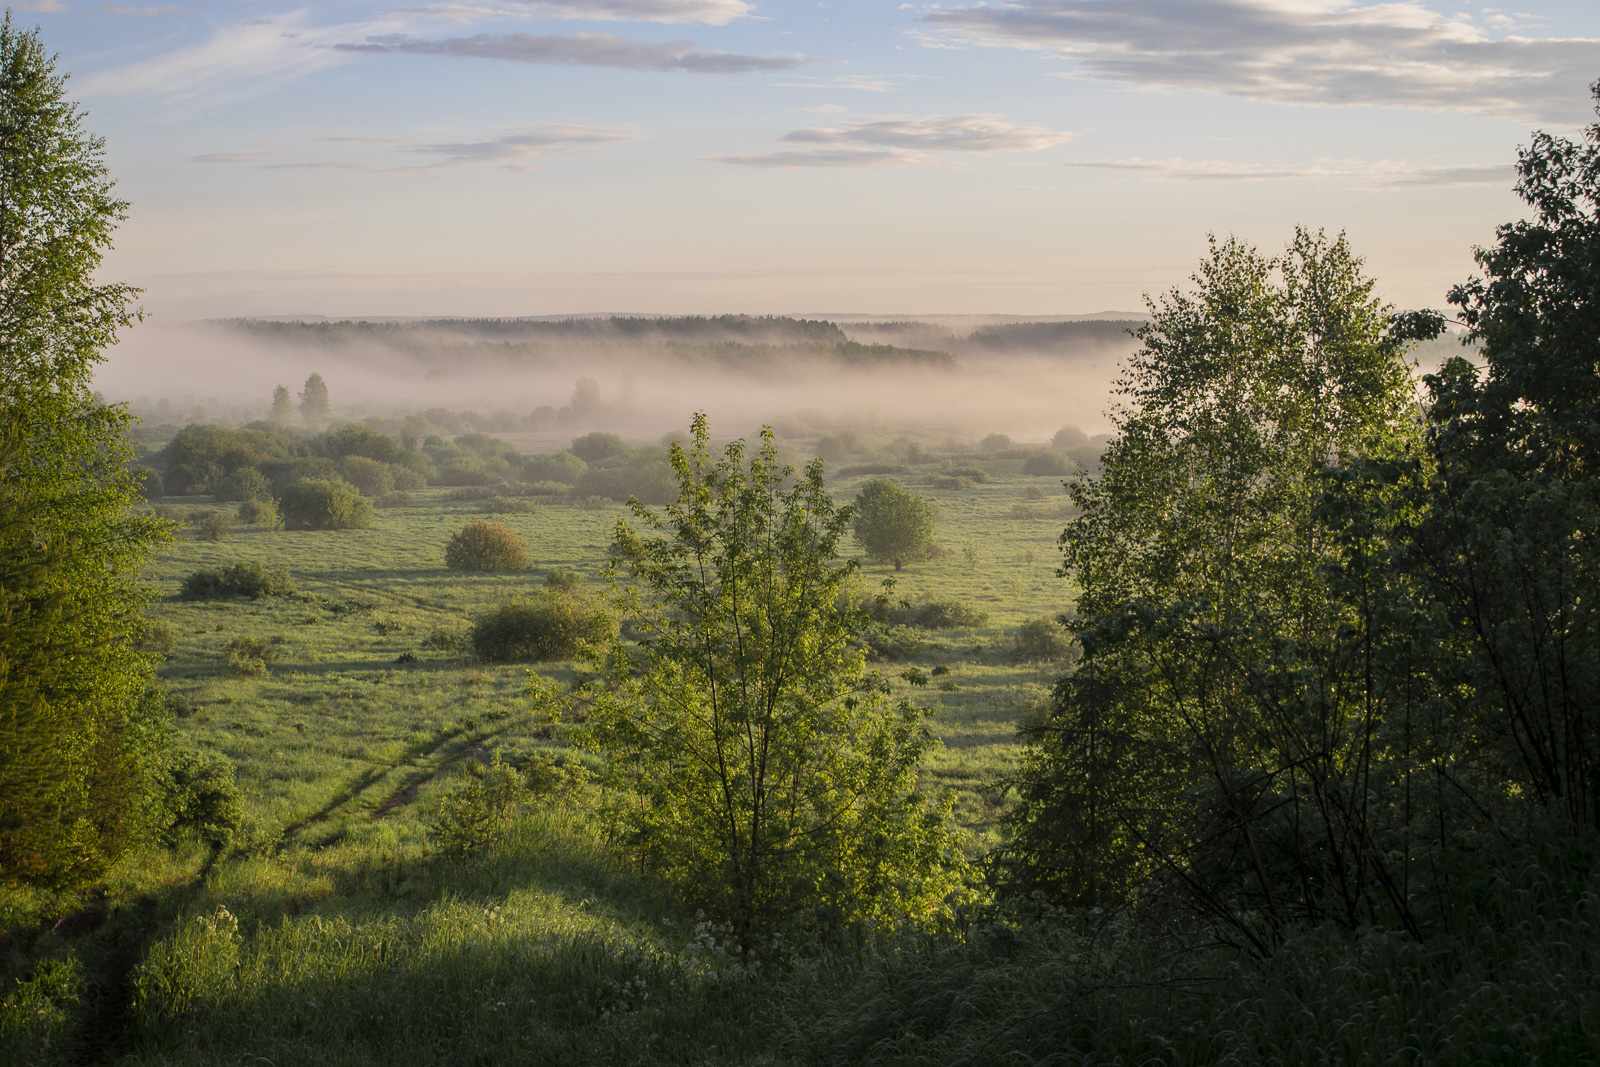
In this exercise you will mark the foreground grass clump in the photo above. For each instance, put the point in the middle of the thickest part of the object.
(249, 579)
(548, 625)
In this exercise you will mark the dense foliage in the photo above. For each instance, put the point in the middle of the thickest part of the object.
(80, 746)
(892, 524)
(549, 625)
(486, 546)
(238, 579)
(320, 504)
(757, 764)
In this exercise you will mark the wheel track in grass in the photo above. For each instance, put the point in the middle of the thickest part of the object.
(475, 734)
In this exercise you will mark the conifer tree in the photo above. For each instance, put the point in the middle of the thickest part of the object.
(314, 401)
(282, 406)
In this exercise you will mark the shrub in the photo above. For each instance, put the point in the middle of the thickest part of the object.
(150, 484)
(562, 581)
(393, 500)
(995, 442)
(507, 505)
(477, 817)
(371, 477)
(486, 546)
(1050, 463)
(210, 525)
(563, 467)
(239, 579)
(156, 636)
(261, 513)
(315, 504)
(1068, 438)
(407, 480)
(548, 625)
(359, 439)
(1042, 639)
(201, 795)
(892, 643)
(249, 657)
(445, 639)
(644, 473)
(928, 614)
(246, 483)
(284, 473)
(598, 445)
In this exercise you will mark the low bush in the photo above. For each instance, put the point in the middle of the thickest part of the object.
(890, 642)
(261, 513)
(561, 467)
(1042, 639)
(210, 525)
(1050, 463)
(598, 445)
(407, 480)
(928, 614)
(202, 795)
(317, 504)
(246, 483)
(507, 505)
(370, 476)
(238, 579)
(249, 657)
(474, 819)
(486, 546)
(150, 484)
(546, 626)
(394, 500)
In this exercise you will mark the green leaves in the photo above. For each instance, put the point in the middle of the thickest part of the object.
(755, 761)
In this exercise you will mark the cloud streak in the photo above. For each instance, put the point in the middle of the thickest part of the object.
(1296, 52)
(516, 150)
(1381, 175)
(579, 49)
(707, 12)
(894, 141)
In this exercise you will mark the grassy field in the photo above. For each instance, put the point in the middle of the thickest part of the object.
(339, 933)
(341, 739)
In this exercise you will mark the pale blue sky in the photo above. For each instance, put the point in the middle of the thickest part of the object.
(506, 157)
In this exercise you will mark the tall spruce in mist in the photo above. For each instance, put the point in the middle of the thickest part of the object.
(78, 743)
(314, 401)
(282, 406)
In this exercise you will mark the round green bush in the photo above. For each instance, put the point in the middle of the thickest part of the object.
(246, 483)
(316, 504)
(486, 546)
(372, 477)
(598, 445)
(239, 579)
(549, 625)
(1046, 462)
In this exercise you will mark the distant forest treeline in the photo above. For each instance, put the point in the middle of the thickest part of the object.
(755, 343)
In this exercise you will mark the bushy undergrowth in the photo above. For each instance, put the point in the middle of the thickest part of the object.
(549, 625)
(237, 579)
(928, 614)
(321, 504)
(486, 546)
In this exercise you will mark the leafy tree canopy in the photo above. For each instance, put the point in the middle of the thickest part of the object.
(892, 524)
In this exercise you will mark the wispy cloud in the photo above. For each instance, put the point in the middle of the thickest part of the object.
(901, 141)
(516, 150)
(579, 49)
(708, 12)
(144, 12)
(1385, 174)
(861, 83)
(1299, 52)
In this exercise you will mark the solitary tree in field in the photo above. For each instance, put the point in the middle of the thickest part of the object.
(314, 401)
(760, 765)
(282, 406)
(892, 524)
(78, 745)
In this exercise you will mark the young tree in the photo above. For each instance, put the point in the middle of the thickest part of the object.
(314, 401)
(892, 524)
(282, 406)
(1220, 732)
(763, 768)
(78, 745)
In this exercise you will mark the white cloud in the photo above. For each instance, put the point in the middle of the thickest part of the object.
(709, 12)
(580, 49)
(1299, 52)
(257, 53)
(900, 141)
(516, 150)
(1383, 174)
(144, 12)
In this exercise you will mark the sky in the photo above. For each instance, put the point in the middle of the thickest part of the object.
(1024, 157)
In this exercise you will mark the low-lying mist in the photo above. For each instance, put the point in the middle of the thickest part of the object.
(639, 378)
